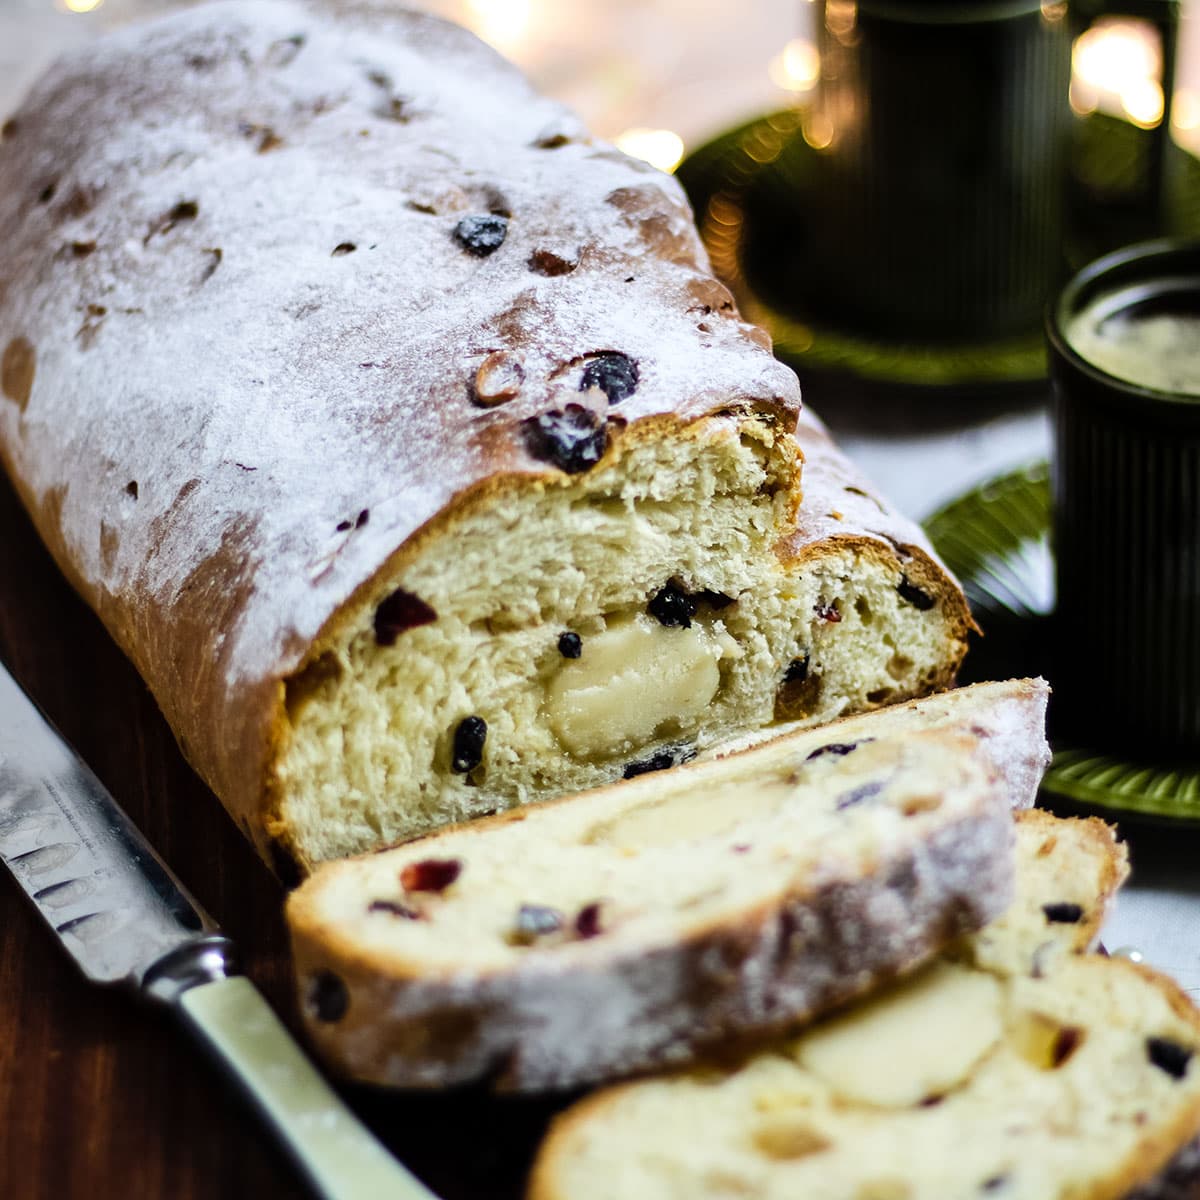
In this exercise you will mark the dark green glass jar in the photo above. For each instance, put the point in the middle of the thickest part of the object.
(942, 129)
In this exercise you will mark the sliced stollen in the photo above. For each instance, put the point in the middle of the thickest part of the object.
(1015, 1068)
(399, 434)
(631, 926)
(1008, 717)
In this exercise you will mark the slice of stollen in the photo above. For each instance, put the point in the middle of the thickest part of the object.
(1009, 718)
(1013, 1069)
(633, 926)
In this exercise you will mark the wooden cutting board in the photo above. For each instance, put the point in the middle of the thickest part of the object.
(102, 1098)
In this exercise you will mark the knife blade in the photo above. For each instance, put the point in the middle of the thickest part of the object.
(125, 919)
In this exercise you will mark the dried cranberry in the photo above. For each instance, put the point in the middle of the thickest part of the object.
(837, 749)
(672, 606)
(430, 874)
(481, 234)
(570, 645)
(915, 596)
(572, 440)
(857, 795)
(616, 375)
(535, 921)
(396, 909)
(362, 518)
(327, 997)
(587, 923)
(401, 611)
(797, 672)
(828, 612)
(468, 744)
(1168, 1056)
(1063, 913)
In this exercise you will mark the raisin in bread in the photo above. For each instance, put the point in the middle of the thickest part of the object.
(631, 926)
(1008, 717)
(399, 433)
(1002, 1071)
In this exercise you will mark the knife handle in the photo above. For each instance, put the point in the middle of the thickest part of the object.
(337, 1154)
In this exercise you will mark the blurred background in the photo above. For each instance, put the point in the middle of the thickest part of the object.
(662, 76)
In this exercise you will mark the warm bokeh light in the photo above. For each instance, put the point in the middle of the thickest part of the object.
(818, 131)
(1113, 54)
(1116, 67)
(1142, 101)
(82, 6)
(841, 16)
(1185, 112)
(1083, 102)
(659, 147)
(798, 68)
(501, 23)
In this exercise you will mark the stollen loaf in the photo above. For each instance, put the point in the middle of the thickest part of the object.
(399, 434)
(1016, 1067)
(1007, 716)
(633, 926)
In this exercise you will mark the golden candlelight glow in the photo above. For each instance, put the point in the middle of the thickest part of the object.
(798, 68)
(1143, 102)
(501, 23)
(81, 6)
(818, 131)
(841, 17)
(1185, 113)
(659, 147)
(1083, 104)
(1116, 67)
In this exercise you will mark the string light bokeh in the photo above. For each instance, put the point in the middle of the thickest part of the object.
(660, 76)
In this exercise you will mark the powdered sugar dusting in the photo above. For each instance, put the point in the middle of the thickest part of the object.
(261, 389)
(840, 501)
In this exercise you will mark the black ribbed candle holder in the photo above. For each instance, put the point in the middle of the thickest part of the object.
(1126, 486)
(941, 130)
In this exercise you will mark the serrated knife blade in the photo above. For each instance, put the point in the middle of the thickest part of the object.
(107, 896)
(126, 920)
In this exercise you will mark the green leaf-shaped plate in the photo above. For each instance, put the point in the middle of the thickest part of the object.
(750, 181)
(996, 539)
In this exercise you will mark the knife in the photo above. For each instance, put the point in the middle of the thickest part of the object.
(128, 922)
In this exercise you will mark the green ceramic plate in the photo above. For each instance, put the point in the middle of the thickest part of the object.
(996, 539)
(745, 182)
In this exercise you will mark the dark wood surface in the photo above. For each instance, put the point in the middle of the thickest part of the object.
(100, 1097)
